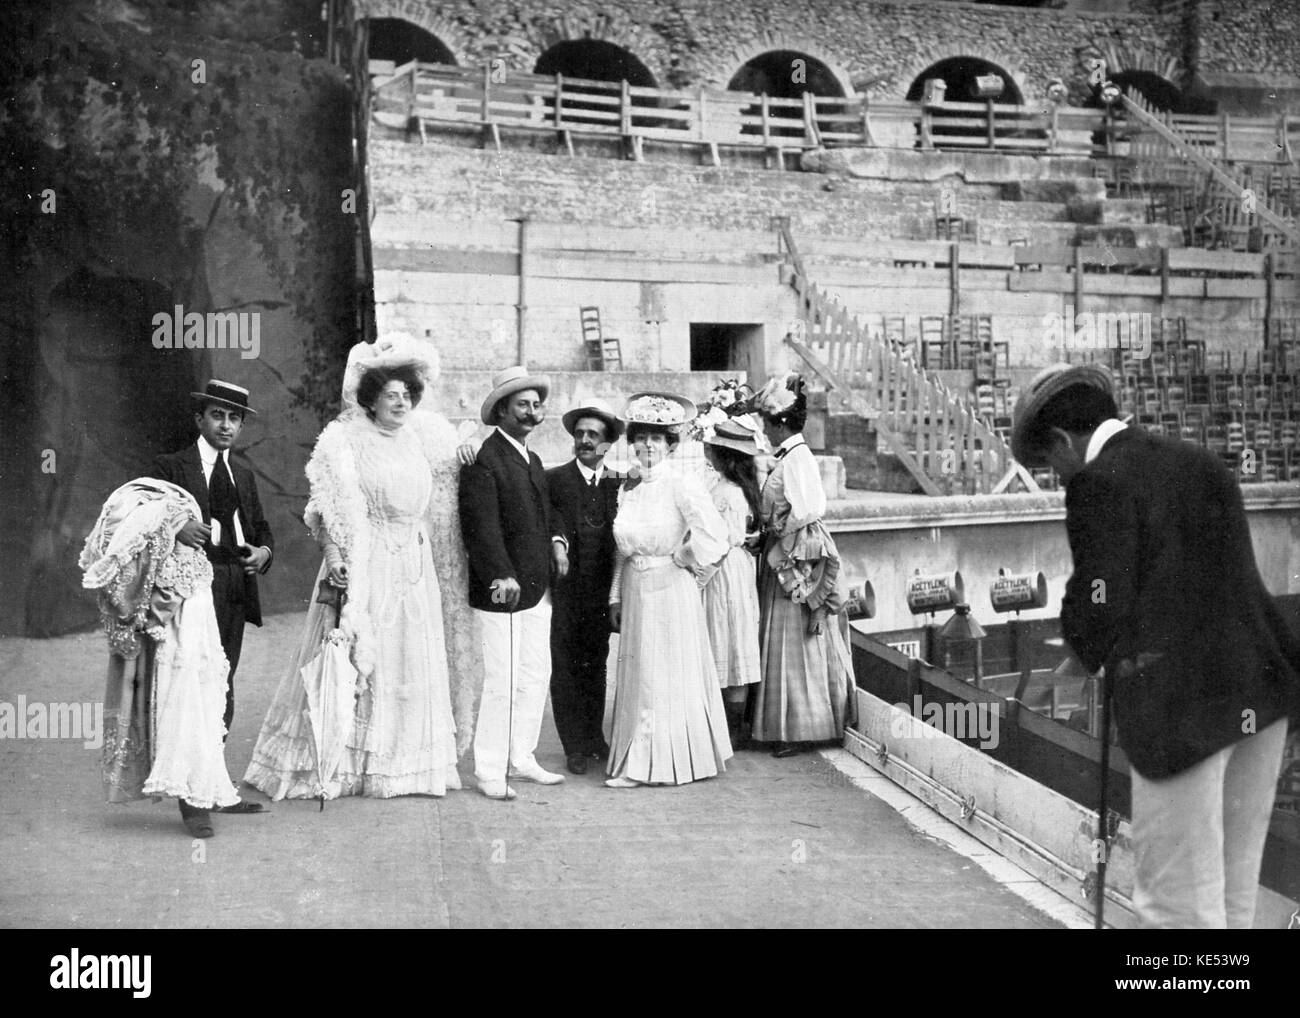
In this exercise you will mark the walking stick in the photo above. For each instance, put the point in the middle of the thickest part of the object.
(1102, 804)
(510, 708)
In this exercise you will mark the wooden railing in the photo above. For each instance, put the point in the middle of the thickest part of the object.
(939, 438)
(495, 99)
(1163, 129)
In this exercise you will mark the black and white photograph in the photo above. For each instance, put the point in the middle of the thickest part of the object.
(672, 464)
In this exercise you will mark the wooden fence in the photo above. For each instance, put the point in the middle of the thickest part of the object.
(940, 438)
(492, 100)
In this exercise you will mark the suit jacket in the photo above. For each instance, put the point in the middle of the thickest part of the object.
(505, 519)
(1166, 594)
(185, 469)
(586, 519)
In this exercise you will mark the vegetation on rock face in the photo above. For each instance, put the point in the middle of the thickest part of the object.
(119, 108)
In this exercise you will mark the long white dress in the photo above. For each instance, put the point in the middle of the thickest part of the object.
(731, 595)
(167, 675)
(402, 739)
(670, 726)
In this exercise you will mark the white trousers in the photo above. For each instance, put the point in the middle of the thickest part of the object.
(525, 637)
(1200, 835)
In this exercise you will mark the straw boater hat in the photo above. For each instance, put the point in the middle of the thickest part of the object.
(661, 409)
(234, 397)
(736, 433)
(507, 383)
(597, 408)
(1046, 386)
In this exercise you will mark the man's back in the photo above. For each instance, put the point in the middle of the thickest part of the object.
(1165, 578)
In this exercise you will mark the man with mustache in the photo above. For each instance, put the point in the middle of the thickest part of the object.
(505, 519)
(584, 500)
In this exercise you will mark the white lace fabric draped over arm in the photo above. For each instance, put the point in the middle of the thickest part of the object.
(706, 543)
(439, 441)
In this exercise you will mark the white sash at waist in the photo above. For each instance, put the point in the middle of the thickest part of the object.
(644, 562)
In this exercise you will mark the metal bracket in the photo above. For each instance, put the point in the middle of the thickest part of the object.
(968, 807)
(882, 754)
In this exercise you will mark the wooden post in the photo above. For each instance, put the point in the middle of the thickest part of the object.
(954, 278)
(559, 101)
(625, 109)
(767, 126)
(1164, 279)
(521, 309)
(992, 124)
(1078, 281)
(486, 110)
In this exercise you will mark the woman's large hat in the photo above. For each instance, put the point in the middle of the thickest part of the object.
(660, 409)
(391, 350)
(597, 408)
(1041, 390)
(507, 383)
(226, 394)
(735, 433)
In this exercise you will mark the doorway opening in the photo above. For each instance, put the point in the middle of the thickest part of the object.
(726, 346)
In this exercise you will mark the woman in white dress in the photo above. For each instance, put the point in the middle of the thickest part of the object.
(669, 721)
(382, 483)
(166, 690)
(731, 594)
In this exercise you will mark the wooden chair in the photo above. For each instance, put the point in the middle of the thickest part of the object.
(604, 353)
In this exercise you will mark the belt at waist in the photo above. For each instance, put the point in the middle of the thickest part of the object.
(643, 562)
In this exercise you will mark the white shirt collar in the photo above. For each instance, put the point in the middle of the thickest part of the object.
(1102, 435)
(523, 451)
(588, 473)
(207, 452)
(791, 442)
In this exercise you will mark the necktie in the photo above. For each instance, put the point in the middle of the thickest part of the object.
(223, 500)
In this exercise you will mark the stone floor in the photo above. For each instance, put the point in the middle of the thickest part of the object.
(788, 843)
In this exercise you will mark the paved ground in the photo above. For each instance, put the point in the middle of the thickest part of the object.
(789, 843)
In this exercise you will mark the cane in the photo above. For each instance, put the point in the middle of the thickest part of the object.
(1102, 804)
(510, 708)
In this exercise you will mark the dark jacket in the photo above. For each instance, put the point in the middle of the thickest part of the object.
(1166, 594)
(505, 520)
(585, 516)
(185, 469)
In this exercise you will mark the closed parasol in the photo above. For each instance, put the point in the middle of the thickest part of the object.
(330, 681)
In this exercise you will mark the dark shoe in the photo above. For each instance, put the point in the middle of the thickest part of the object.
(197, 821)
(577, 763)
(785, 749)
(243, 807)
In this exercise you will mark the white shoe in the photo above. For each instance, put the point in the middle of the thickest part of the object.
(497, 790)
(537, 774)
(621, 783)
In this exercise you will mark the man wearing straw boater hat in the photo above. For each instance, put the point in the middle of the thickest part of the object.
(505, 518)
(234, 534)
(584, 501)
(1166, 596)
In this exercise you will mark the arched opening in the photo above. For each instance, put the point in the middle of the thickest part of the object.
(959, 74)
(110, 403)
(401, 42)
(594, 60)
(785, 74)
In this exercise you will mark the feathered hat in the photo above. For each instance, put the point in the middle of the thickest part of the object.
(391, 350)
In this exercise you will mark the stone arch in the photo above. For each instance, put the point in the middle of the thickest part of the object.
(422, 16)
(595, 59)
(796, 44)
(931, 55)
(1145, 69)
(578, 24)
(959, 72)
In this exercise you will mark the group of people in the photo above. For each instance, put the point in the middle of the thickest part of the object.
(468, 582)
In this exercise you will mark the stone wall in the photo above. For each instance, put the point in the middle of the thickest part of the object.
(1259, 38)
(872, 48)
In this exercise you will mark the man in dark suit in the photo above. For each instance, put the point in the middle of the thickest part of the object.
(1166, 596)
(234, 534)
(505, 518)
(584, 500)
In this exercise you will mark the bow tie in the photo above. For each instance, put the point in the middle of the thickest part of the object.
(781, 452)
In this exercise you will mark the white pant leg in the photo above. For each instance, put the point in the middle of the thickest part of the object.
(533, 680)
(1178, 837)
(525, 638)
(1249, 788)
